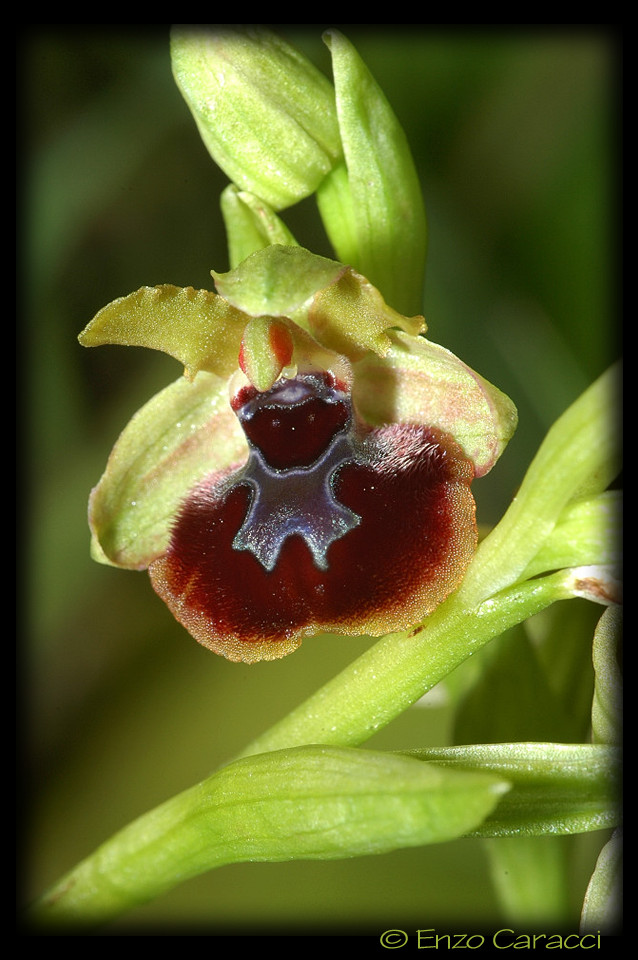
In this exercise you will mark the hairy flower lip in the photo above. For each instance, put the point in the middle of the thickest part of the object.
(365, 535)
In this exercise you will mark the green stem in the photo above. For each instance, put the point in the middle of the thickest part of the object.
(577, 458)
(401, 667)
(530, 876)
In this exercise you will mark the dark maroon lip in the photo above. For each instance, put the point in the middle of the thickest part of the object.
(295, 422)
(326, 526)
(289, 392)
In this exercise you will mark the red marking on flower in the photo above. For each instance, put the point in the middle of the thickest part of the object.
(278, 347)
(329, 526)
(281, 344)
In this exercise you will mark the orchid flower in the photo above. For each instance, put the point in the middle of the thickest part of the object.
(311, 470)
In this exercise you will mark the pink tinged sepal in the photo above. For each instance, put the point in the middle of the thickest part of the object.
(417, 381)
(328, 526)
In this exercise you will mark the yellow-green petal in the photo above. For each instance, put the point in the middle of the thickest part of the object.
(351, 317)
(340, 308)
(198, 328)
(186, 431)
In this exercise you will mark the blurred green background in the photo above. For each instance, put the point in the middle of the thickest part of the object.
(514, 135)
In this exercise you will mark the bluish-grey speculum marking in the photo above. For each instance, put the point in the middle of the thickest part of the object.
(299, 435)
(295, 501)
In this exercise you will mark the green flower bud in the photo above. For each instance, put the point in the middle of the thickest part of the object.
(266, 114)
(251, 224)
(371, 205)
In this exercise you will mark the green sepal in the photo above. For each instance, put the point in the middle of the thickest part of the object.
(200, 329)
(418, 381)
(277, 281)
(265, 113)
(336, 305)
(183, 433)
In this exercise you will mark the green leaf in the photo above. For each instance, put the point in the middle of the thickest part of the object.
(556, 788)
(602, 907)
(265, 113)
(198, 328)
(310, 803)
(607, 703)
(186, 431)
(374, 216)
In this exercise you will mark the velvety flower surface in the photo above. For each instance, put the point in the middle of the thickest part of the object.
(329, 526)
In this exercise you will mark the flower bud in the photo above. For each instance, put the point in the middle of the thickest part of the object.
(266, 115)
